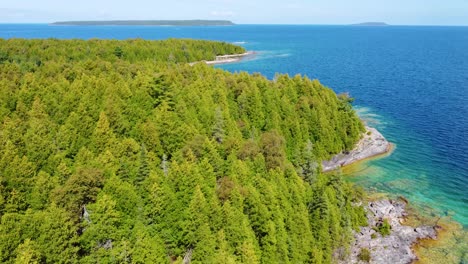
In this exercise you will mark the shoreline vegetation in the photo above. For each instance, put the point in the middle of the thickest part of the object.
(224, 59)
(195, 22)
(371, 145)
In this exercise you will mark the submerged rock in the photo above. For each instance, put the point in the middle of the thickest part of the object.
(394, 248)
(372, 144)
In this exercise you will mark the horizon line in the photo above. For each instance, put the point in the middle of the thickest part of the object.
(236, 24)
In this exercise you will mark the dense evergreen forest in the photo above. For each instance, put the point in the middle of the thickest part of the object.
(120, 152)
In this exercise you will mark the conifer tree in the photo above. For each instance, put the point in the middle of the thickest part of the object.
(143, 170)
(103, 135)
(147, 248)
(27, 253)
(111, 154)
(218, 128)
(39, 145)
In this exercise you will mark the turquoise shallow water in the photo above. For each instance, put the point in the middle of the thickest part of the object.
(409, 82)
(413, 171)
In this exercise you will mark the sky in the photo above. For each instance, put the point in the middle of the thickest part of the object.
(395, 12)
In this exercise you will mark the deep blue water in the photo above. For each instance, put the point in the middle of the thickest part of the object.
(409, 82)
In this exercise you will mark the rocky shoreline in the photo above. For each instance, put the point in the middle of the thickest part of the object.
(396, 247)
(372, 144)
(230, 58)
(222, 59)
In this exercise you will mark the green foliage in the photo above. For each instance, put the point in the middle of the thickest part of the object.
(118, 52)
(119, 151)
(364, 255)
(27, 253)
(80, 189)
(272, 145)
(384, 228)
(48, 235)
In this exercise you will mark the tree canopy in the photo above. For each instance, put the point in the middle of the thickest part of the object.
(121, 152)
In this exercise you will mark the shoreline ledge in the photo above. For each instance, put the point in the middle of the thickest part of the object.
(223, 59)
(372, 144)
(396, 247)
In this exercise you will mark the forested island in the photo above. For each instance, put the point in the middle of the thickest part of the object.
(122, 152)
(196, 22)
(371, 24)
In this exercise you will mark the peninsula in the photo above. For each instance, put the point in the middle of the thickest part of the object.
(147, 23)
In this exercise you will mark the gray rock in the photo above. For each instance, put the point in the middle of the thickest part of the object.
(371, 144)
(106, 245)
(394, 248)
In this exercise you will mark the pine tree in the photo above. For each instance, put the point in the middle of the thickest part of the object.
(80, 189)
(28, 253)
(308, 166)
(41, 191)
(38, 138)
(147, 248)
(143, 170)
(56, 236)
(218, 128)
(103, 136)
(272, 145)
(224, 254)
(104, 230)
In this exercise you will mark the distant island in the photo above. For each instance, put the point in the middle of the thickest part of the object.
(373, 24)
(147, 23)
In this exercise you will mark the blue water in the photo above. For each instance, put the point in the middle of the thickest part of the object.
(409, 82)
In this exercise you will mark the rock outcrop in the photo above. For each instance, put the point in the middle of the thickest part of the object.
(223, 59)
(372, 144)
(394, 248)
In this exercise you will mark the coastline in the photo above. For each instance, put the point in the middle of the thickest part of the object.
(416, 237)
(223, 59)
(398, 245)
(419, 238)
(375, 167)
(371, 145)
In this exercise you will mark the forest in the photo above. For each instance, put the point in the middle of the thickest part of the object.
(118, 151)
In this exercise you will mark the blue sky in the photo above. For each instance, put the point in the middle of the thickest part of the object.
(397, 12)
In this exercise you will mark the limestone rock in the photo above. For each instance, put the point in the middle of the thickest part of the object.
(372, 144)
(394, 248)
